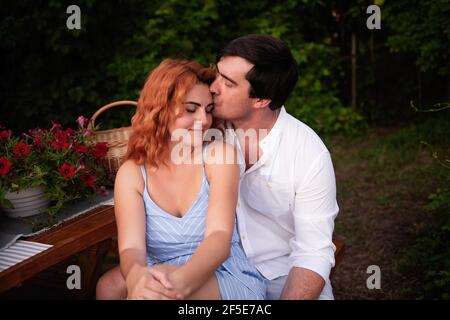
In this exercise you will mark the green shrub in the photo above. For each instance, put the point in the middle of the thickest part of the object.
(315, 98)
(430, 254)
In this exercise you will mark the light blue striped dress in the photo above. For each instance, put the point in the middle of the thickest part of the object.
(173, 240)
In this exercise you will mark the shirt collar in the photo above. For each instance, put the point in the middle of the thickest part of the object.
(272, 138)
(269, 144)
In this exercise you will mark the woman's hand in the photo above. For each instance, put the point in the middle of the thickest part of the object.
(172, 277)
(143, 285)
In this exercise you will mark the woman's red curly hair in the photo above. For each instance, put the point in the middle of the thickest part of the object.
(159, 104)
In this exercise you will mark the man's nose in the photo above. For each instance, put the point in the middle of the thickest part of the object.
(214, 88)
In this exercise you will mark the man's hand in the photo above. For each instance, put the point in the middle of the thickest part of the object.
(302, 284)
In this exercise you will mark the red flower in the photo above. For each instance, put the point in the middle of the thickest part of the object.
(37, 131)
(38, 144)
(80, 148)
(100, 149)
(88, 179)
(89, 133)
(21, 149)
(5, 165)
(61, 136)
(70, 131)
(60, 145)
(4, 134)
(55, 126)
(67, 171)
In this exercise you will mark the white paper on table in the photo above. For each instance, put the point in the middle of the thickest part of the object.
(20, 251)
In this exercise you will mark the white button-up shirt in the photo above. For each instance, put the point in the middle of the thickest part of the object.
(287, 202)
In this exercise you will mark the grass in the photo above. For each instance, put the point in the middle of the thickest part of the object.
(383, 182)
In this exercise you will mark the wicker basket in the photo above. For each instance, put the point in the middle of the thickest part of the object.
(117, 139)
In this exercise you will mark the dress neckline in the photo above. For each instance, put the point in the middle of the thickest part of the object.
(147, 194)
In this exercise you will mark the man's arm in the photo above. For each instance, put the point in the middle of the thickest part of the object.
(302, 284)
(315, 209)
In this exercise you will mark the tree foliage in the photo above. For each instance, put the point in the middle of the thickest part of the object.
(52, 73)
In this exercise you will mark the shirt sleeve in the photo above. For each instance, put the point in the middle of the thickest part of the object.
(314, 213)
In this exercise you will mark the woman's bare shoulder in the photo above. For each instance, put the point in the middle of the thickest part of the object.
(129, 175)
(220, 152)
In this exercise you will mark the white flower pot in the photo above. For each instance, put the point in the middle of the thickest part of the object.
(27, 202)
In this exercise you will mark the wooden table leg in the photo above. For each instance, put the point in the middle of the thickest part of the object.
(90, 262)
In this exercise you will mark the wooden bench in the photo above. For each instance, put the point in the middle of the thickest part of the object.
(338, 254)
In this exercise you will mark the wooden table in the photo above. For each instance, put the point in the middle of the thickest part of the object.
(88, 236)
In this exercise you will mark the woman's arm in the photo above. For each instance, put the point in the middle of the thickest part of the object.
(130, 219)
(215, 248)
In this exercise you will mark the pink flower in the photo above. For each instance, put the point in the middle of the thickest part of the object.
(103, 191)
(82, 121)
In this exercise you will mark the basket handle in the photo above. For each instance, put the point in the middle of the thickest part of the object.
(106, 107)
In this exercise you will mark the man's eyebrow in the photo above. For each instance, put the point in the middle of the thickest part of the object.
(228, 78)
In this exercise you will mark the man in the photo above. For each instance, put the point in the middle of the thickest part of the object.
(287, 197)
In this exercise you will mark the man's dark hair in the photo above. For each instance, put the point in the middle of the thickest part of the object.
(274, 73)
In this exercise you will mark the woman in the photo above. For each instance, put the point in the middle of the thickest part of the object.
(176, 215)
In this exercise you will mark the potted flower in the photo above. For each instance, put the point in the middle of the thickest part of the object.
(62, 164)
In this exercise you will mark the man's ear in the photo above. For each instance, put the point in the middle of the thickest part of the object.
(262, 103)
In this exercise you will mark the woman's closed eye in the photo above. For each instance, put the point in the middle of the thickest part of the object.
(191, 109)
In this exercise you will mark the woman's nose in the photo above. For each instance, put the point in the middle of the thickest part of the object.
(202, 118)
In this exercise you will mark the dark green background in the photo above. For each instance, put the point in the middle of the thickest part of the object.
(52, 73)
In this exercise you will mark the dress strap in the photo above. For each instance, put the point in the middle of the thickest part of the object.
(205, 145)
(144, 174)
